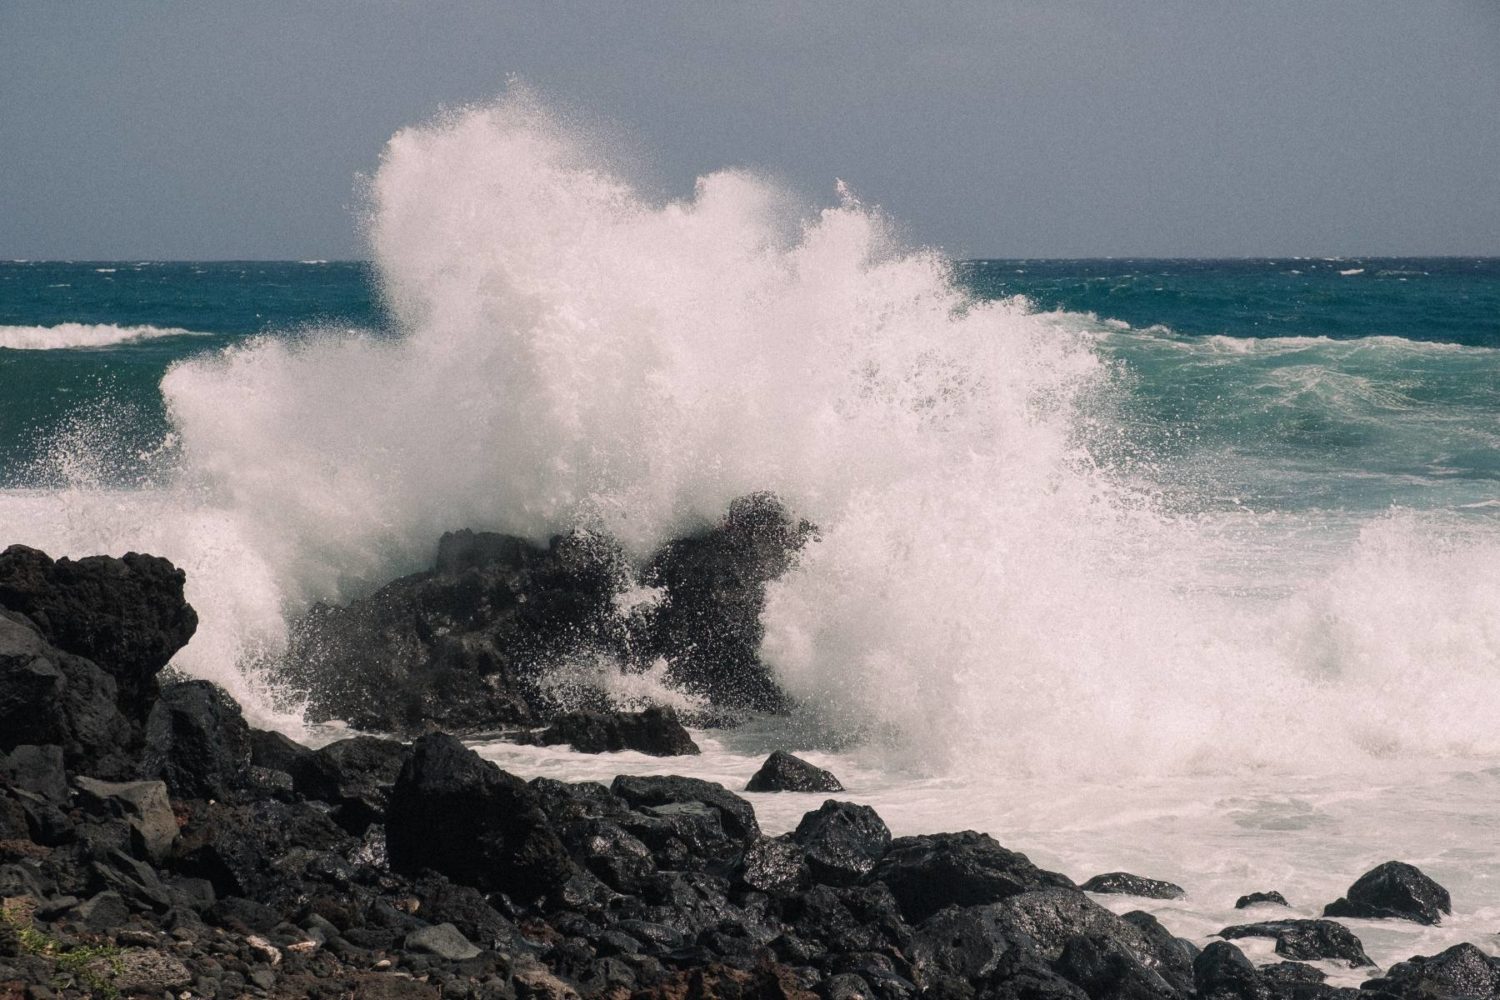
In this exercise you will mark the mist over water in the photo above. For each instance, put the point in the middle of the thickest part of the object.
(1024, 569)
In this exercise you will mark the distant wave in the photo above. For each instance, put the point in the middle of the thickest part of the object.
(66, 335)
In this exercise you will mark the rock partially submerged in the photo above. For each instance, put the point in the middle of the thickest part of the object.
(1127, 884)
(1253, 898)
(1394, 889)
(655, 731)
(1460, 971)
(471, 644)
(784, 773)
(1306, 939)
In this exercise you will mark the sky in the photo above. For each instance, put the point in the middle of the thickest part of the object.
(205, 129)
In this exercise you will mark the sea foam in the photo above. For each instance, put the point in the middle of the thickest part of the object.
(996, 588)
(75, 335)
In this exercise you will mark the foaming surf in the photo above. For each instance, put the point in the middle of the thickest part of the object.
(1003, 587)
(64, 336)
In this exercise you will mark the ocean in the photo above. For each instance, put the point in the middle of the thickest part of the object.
(1183, 567)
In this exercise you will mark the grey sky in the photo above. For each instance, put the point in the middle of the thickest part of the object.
(215, 129)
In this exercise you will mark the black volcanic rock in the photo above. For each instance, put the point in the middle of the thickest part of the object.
(784, 773)
(926, 873)
(1460, 971)
(707, 624)
(1251, 899)
(1127, 884)
(48, 696)
(843, 841)
(1394, 889)
(1305, 939)
(466, 645)
(455, 813)
(1222, 971)
(655, 731)
(354, 775)
(198, 742)
(776, 867)
(126, 615)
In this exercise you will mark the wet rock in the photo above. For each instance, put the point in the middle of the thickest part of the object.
(355, 775)
(457, 814)
(143, 805)
(671, 795)
(655, 731)
(842, 841)
(1051, 916)
(442, 940)
(1127, 884)
(784, 773)
(854, 919)
(1461, 971)
(126, 615)
(465, 645)
(257, 850)
(1260, 897)
(1168, 956)
(1394, 889)
(1305, 939)
(1291, 974)
(276, 752)
(197, 741)
(927, 873)
(1222, 970)
(775, 867)
(707, 623)
(1104, 967)
(970, 944)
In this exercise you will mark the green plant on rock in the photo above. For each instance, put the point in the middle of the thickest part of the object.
(90, 966)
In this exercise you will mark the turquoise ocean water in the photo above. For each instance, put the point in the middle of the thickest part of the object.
(1345, 383)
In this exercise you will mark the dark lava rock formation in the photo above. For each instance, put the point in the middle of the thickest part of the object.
(470, 644)
(784, 773)
(1127, 884)
(1394, 889)
(654, 731)
(1250, 899)
(1306, 939)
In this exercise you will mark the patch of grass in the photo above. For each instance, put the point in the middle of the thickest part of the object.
(81, 962)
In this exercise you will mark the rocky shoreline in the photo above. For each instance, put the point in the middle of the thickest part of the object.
(154, 844)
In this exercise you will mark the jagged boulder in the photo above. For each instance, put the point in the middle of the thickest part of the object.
(465, 645)
(1460, 971)
(48, 696)
(655, 731)
(929, 872)
(126, 615)
(783, 772)
(1222, 971)
(354, 775)
(843, 841)
(688, 820)
(1394, 889)
(1251, 899)
(707, 624)
(455, 813)
(1127, 884)
(198, 742)
(1306, 939)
